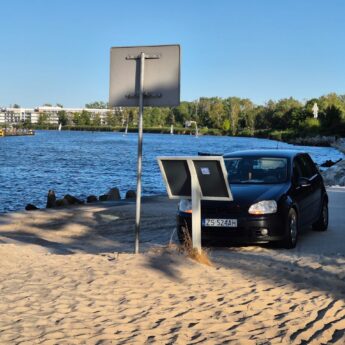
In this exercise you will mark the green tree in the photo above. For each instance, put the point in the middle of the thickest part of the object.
(170, 117)
(233, 110)
(62, 116)
(281, 115)
(331, 118)
(217, 113)
(27, 123)
(261, 118)
(96, 121)
(250, 117)
(85, 118)
(97, 105)
(112, 119)
(128, 115)
(245, 119)
(42, 119)
(181, 113)
(153, 117)
(203, 112)
(226, 125)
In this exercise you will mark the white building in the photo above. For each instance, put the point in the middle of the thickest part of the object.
(12, 116)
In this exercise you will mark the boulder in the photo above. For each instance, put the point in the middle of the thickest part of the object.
(317, 140)
(103, 197)
(31, 207)
(339, 144)
(51, 199)
(91, 198)
(113, 194)
(131, 194)
(335, 175)
(329, 163)
(61, 202)
(72, 200)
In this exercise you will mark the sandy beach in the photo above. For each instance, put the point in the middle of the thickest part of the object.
(68, 276)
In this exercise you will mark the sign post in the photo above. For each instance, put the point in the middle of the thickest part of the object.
(155, 83)
(140, 152)
(197, 178)
(196, 207)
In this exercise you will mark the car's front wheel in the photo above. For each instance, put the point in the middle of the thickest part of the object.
(291, 230)
(322, 223)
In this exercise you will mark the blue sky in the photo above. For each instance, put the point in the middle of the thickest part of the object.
(58, 51)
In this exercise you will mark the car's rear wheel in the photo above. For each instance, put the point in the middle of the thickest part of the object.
(291, 230)
(322, 223)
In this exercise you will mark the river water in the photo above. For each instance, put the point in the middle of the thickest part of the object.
(85, 163)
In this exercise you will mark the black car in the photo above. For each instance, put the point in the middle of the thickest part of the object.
(276, 193)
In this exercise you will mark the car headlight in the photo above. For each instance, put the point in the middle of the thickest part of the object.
(185, 206)
(263, 207)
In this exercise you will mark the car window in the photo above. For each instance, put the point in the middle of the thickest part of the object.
(296, 171)
(307, 169)
(311, 164)
(256, 170)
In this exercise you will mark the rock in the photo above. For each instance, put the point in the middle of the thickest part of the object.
(103, 197)
(131, 194)
(201, 153)
(72, 200)
(329, 163)
(317, 140)
(91, 198)
(61, 203)
(113, 194)
(31, 207)
(51, 199)
(335, 175)
(339, 144)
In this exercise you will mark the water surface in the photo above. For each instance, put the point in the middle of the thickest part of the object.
(84, 163)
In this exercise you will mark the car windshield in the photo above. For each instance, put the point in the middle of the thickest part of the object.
(256, 170)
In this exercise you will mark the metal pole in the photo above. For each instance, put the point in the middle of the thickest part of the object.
(196, 208)
(140, 152)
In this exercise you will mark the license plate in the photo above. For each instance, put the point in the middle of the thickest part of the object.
(226, 223)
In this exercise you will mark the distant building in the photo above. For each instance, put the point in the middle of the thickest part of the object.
(13, 116)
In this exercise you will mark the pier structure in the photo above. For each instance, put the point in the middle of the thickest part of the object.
(14, 132)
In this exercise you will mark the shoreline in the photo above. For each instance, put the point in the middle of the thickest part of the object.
(309, 140)
(119, 203)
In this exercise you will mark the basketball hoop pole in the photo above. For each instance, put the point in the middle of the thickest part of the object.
(140, 152)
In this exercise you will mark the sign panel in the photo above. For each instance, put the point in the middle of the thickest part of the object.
(209, 172)
(212, 179)
(162, 76)
(196, 178)
(178, 177)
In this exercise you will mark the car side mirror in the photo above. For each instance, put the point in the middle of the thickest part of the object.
(303, 182)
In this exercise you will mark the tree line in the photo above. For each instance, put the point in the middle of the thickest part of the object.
(228, 116)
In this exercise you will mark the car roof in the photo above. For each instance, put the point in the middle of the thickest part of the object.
(265, 153)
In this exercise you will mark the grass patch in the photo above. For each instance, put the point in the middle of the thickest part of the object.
(187, 248)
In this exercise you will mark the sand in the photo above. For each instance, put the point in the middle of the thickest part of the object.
(69, 277)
